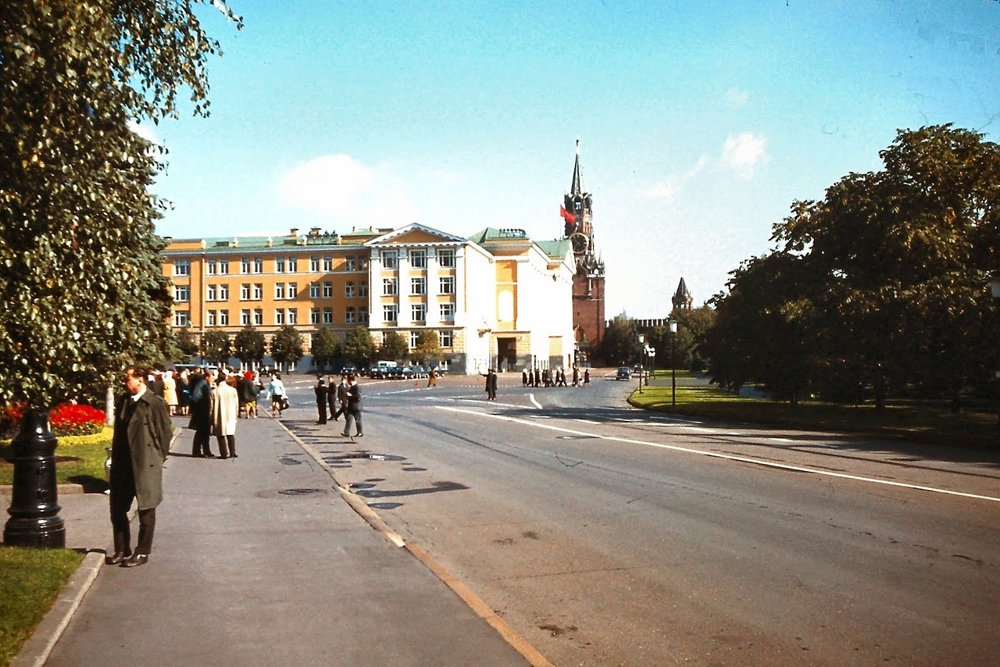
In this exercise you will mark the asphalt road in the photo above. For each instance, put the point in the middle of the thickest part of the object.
(609, 536)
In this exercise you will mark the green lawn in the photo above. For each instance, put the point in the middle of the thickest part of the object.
(926, 421)
(79, 460)
(30, 581)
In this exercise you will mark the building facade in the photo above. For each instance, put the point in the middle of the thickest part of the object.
(588, 280)
(489, 302)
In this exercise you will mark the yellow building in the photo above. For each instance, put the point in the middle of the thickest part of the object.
(499, 300)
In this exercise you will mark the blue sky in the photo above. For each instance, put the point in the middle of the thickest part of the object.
(699, 122)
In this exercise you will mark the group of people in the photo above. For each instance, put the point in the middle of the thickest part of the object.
(548, 378)
(342, 399)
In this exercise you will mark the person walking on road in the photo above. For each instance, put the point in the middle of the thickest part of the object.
(353, 408)
(225, 411)
(491, 384)
(139, 445)
(342, 391)
(432, 378)
(322, 396)
(277, 389)
(331, 397)
(201, 417)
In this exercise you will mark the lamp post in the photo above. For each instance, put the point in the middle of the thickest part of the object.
(673, 371)
(650, 353)
(642, 340)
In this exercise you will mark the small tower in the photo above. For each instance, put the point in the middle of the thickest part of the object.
(588, 283)
(682, 299)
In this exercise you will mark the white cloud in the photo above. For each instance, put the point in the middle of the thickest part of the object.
(737, 98)
(146, 132)
(667, 189)
(340, 187)
(330, 184)
(743, 153)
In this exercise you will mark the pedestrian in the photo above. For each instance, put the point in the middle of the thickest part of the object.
(201, 414)
(170, 391)
(322, 394)
(586, 376)
(331, 397)
(491, 384)
(432, 378)
(139, 445)
(225, 406)
(353, 407)
(249, 392)
(184, 392)
(342, 393)
(576, 376)
(538, 377)
(524, 377)
(277, 390)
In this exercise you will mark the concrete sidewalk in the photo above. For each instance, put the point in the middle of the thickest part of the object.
(259, 560)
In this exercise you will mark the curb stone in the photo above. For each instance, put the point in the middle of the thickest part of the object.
(36, 650)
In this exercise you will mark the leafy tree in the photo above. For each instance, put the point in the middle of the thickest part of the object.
(286, 345)
(325, 347)
(620, 344)
(394, 346)
(249, 345)
(359, 346)
(186, 345)
(218, 347)
(428, 348)
(880, 285)
(81, 284)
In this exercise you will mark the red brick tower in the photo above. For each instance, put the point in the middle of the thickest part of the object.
(588, 283)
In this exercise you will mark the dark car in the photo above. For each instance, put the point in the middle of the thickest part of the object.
(624, 373)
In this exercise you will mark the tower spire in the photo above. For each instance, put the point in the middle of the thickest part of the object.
(576, 187)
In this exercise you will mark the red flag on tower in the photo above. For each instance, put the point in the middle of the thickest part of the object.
(567, 216)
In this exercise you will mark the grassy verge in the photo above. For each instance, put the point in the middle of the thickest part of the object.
(79, 460)
(31, 581)
(928, 421)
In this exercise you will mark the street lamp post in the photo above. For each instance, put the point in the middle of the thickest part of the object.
(673, 371)
(650, 354)
(642, 340)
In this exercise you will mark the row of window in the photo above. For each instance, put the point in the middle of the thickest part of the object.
(282, 316)
(249, 265)
(290, 316)
(255, 291)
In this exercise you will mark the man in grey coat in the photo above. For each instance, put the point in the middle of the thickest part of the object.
(140, 444)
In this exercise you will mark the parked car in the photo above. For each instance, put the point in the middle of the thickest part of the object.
(624, 373)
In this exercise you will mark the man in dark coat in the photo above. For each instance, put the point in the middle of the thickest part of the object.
(201, 415)
(322, 394)
(141, 441)
(491, 384)
(353, 407)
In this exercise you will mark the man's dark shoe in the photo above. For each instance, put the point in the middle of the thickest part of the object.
(136, 560)
(117, 558)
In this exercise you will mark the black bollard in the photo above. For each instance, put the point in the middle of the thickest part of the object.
(34, 511)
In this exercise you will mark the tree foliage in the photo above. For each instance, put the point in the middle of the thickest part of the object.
(620, 345)
(217, 347)
(286, 345)
(394, 346)
(325, 347)
(882, 286)
(428, 348)
(80, 274)
(249, 345)
(186, 346)
(359, 346)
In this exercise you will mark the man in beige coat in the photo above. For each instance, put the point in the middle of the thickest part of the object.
(225, 412)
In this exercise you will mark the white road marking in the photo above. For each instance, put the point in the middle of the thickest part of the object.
(727, 457)
(531, 397)
(586, 421)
